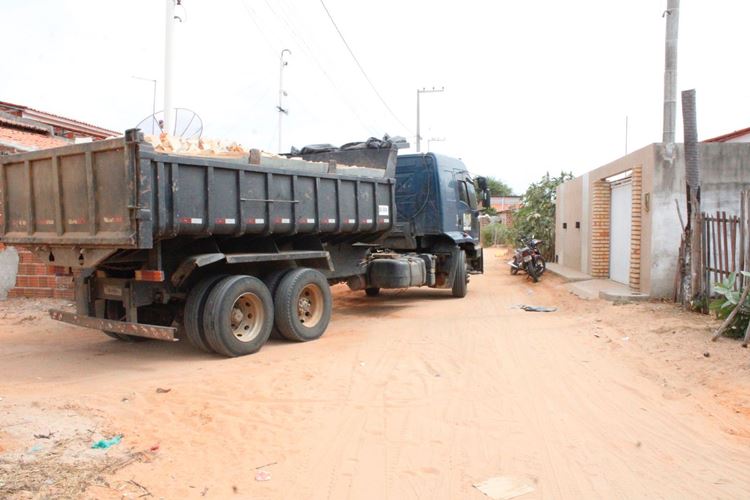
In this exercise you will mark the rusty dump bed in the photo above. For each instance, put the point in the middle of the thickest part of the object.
(120, 193)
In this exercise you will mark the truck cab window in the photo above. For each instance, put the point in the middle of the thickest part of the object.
(472, 196)
(463, 194)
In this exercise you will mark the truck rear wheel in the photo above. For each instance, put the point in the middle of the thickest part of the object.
(238, 316)
(373, 291)
(194, 306)
(460, 285)
(303, 305)
(115, 311)
(272, 281)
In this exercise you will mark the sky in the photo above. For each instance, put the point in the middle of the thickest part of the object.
(530, 87)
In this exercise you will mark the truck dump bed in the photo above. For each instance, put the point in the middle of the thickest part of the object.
(121, 194)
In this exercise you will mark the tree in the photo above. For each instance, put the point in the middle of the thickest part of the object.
(498, 187)
(536, 217)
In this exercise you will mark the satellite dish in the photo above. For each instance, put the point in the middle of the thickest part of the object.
(187, 124)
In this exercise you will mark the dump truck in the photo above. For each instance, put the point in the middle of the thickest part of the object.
(227, 252)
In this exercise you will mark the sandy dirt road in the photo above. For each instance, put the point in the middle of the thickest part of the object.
(412, 394)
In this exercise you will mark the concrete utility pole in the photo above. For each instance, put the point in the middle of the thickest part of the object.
(169, 66)
(424, 91)
(282, 93)
(670, 75)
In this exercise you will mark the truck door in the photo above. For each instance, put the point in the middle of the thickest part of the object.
(467, 206)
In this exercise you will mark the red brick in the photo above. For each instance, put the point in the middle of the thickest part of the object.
(64, 294)
(30, 292)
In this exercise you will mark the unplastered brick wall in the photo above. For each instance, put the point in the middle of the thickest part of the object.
(600, 207)
(37, 279)
(635, 229)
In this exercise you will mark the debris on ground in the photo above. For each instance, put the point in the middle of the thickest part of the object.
(44, 436)
(106, 443)
(543, 309)
(35, 448)
(159, 390)
(706, 354)
(504, 487)
(266, 465)
(262, 475)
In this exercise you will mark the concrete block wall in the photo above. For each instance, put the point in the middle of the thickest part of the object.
(39, 280)
(600, 208)
(636, 228)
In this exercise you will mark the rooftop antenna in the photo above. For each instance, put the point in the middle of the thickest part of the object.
(186, 123)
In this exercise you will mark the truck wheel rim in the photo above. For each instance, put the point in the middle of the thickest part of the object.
(310, 305)
(247, 317)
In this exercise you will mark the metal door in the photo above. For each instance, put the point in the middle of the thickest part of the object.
(619, 232)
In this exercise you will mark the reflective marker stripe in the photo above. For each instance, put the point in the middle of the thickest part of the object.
(225, 221)
(191, 220)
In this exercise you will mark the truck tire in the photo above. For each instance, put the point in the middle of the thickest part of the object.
(238, 316)
(272, 281)
(460, 285)
(114, 310)
(193, 316)
(303, 305)
(373, 291)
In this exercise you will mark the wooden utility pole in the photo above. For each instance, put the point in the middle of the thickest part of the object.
(692, 276)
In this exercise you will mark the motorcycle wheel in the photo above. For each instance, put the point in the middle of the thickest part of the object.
(514, 270)
(531, 271)
(541, 266)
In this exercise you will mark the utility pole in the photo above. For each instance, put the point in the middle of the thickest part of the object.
(419, 92)
(282, 93)
(670, 77)
(169, 65)
(626, 134)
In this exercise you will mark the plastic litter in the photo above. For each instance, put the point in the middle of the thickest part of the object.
(543, 309)
(35, 448)
(106, 443)
(262, 475)
(505, 487)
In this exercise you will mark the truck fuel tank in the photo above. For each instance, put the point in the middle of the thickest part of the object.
(401, 271)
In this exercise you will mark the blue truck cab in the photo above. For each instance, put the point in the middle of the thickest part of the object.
(437, 214)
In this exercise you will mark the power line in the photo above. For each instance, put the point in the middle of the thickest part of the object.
(302, 43)
(251, 14)
(364, 73)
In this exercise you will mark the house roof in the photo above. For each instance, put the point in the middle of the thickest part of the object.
(730, 135)
(23, 140)
(59, 121)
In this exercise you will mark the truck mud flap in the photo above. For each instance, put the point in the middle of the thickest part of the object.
(139, 330)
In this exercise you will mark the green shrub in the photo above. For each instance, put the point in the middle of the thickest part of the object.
(498, 234)
(728, 300)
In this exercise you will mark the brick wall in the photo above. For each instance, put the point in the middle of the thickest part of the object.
(600, 229)
(37, 279)
(635, 229)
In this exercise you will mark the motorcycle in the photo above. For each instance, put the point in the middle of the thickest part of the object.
(529, 259)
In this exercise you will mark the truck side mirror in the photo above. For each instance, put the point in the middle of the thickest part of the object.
(485, 191)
